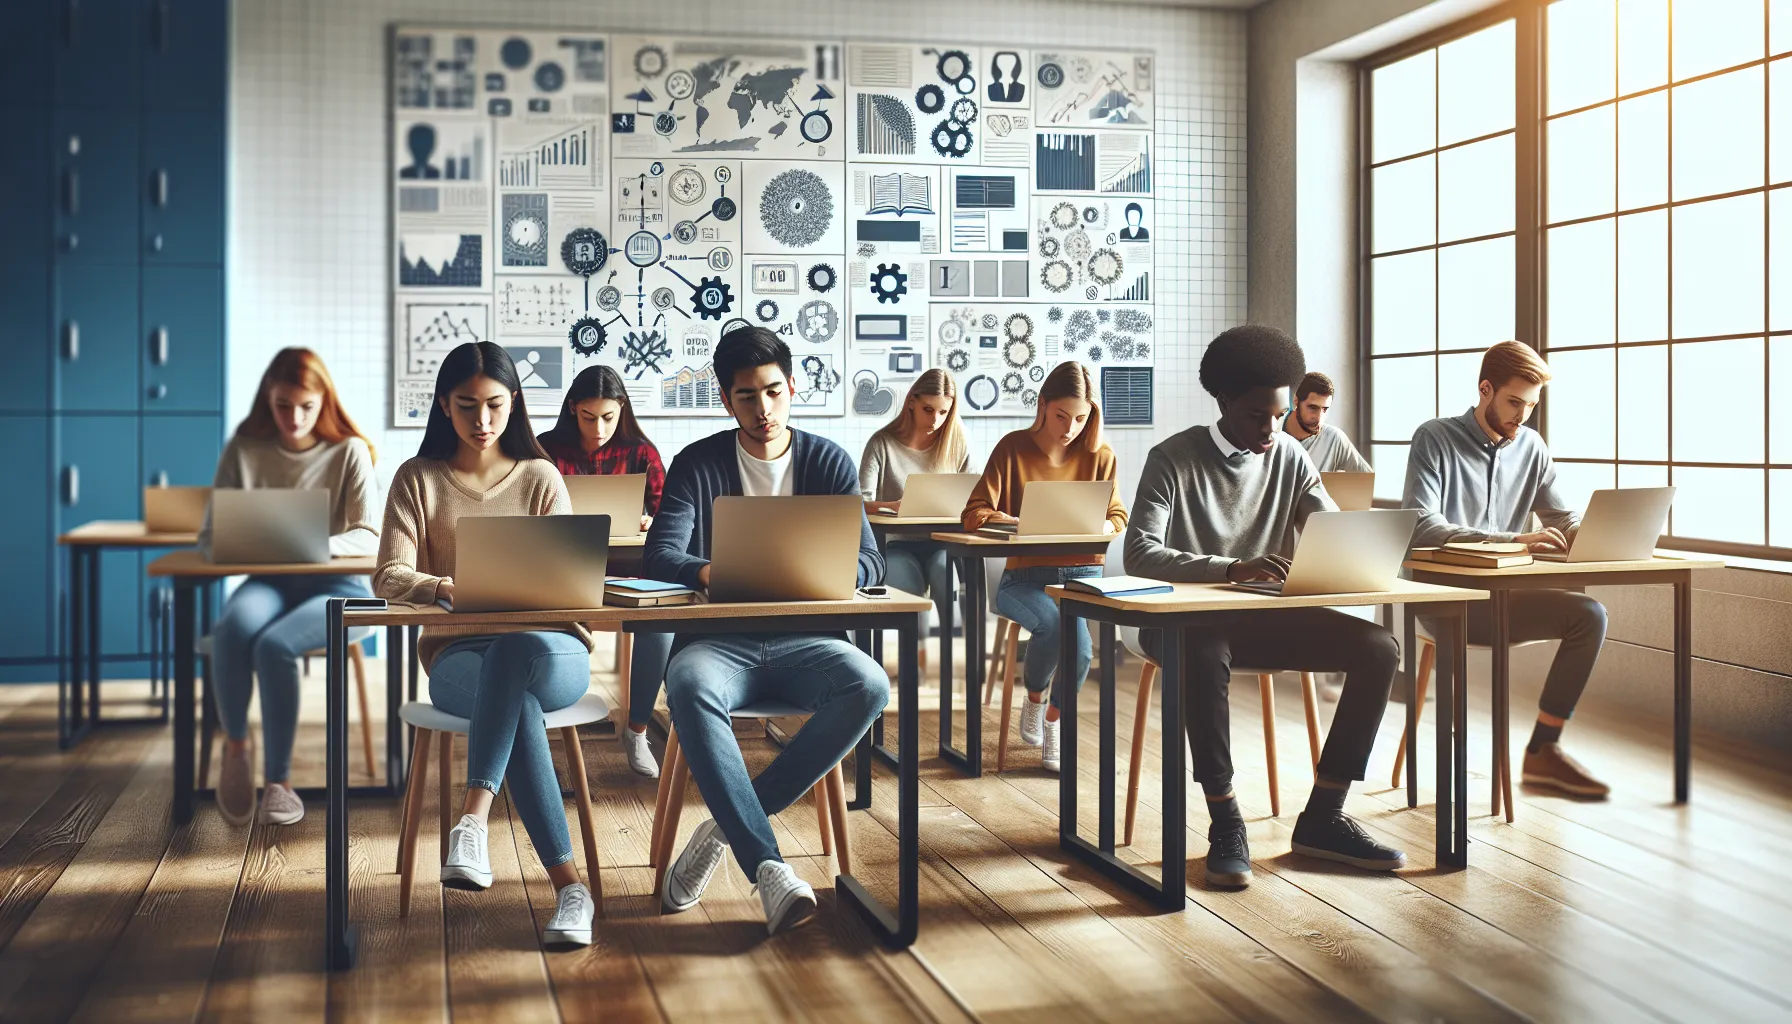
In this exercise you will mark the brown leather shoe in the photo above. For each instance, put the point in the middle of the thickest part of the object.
(1549, 767)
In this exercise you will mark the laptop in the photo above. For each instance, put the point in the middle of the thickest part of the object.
(619, 497)
(270, 526)
(174, 509)
(1345, 553)
(934, 495)
(800, 548)
(1621, 524)
(1060, 508)
(530, 563)
(1354, 492)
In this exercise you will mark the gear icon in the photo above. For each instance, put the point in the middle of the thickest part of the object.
(929, 99)
(953, 66)
(817, 321)
(766, 311)
(1055, 276)
(1036, 374)
(1105, 266)
(889, 283)
(1029, 398)
(587, 336)
(951, 332)
(711, 298)
(951, 138)
(989, 321)
(1018, 353)
(1063, 216)
(1091, 215)
(1077, 246)
(1012, 383)
(609, 297)
(1019, 327)
(822, 278)
(958, 360)
(1048, 247)
(964, 110)
(650, 61)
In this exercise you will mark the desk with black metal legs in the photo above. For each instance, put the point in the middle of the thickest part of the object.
(901, 612)
(1175, 613)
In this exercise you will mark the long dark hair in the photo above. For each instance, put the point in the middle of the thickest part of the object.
(474, 359)
(594, 382)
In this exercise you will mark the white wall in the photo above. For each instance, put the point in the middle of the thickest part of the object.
(310, 259)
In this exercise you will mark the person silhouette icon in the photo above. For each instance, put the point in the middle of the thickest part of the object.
(1134, 231)
(1005, 85)
(421, 141)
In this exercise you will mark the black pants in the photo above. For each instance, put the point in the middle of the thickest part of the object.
(1566, 615)
(1292, 639)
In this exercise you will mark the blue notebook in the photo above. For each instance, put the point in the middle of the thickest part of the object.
(641, 586)
(1119, 586)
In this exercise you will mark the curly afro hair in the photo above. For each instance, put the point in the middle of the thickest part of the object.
(1251, 356)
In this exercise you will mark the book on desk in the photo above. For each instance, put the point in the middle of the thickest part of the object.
(1476, 554)
(1118, 586)
(629, 592)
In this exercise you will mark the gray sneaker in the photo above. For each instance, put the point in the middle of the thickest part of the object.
(691, 872)
(236, 785)
(280, 806)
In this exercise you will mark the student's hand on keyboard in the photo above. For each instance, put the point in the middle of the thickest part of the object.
(646, 523)
(703, 577)
(445, 589)
(1548, 540)
(1253, 570)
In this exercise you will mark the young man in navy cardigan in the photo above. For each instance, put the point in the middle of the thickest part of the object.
(710, 676)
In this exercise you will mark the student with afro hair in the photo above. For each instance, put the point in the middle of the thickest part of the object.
(1224, 502)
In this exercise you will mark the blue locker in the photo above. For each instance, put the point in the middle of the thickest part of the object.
(98, 190)
(26, 337)
(99, 52)
(184, 59)
(181, 451)
(96, 339)
(97, 478)
(183, 339)
(27, 40)
(27, 170)
(183, 205)
(26, 542)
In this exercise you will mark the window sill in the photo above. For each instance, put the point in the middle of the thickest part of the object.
(1767, 565)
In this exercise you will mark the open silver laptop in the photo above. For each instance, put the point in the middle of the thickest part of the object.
(1620, 524)
(935, 494)
(270, 526)
(619, 497)
(174, 509)
(1354, 492)
(800, 548)
(1346, 553)
(1061, 507)
(530, 563)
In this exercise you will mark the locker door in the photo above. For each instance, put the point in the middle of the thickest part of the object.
(98, 190)
(95, 331)
(178, 451)
(27, 545)
(26, 337)
(185, 56)
(27, 168)
(183, 165)
(183, 339)
(27, 43)
(99, 52)
(98, 479)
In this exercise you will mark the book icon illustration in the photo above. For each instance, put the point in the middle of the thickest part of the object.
(901, 194)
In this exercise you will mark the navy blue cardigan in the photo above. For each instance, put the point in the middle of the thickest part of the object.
(678, 544)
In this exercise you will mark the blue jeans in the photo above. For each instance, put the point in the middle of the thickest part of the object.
(646, 671)
(919, 568)
(842, 688)
(504, 684)
(268, 624)
(1021, 597)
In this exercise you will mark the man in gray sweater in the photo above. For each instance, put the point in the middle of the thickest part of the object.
(1326, 445)
(1226, 502)
(1478, 477)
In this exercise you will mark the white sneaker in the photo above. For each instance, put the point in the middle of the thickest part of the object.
(280, 806)
(1049, 753)
(691, 872)
(640, 753)
(469, 863)
(571, 923)
(788, 900)
(1032, 721)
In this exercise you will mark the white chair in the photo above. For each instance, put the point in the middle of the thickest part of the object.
(830, 800)
(357, 660)
(427, 720)
(1129, 636)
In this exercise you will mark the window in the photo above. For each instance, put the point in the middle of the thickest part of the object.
(1659, 230)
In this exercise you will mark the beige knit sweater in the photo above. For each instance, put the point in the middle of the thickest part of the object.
(417, 541)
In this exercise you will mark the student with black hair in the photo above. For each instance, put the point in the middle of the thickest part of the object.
(710, 676)
(479, 458)
(597, 435)
(1225, 502)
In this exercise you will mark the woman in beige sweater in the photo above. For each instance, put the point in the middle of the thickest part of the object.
(479, 458)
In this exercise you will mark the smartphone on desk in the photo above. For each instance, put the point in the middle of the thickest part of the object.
(875, 593)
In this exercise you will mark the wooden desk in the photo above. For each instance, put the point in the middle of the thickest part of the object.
(969, 550)
(78, 712)
(189, 572)
(921, 527)
(1675, 572)
(1180, 610)
(901, 612)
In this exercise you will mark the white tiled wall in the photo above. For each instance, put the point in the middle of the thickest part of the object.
(310, 257)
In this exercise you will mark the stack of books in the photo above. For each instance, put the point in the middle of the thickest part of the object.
(1119, 586)
(1477, 555)
(628, 592)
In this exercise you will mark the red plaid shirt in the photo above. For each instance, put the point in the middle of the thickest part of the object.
(618, 457)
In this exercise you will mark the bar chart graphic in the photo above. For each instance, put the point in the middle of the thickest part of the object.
(565, 159)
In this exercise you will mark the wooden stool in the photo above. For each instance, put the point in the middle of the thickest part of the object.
(1129, 636)
(357, 660)
(426, 720)
(829, 791)
(1502, 744)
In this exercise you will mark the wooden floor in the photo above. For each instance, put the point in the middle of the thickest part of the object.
(1627, 910)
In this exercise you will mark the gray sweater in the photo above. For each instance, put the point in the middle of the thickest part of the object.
(1468, 488)
(1198, 511)
(1332, 452)
(887, 463)
(344, 468)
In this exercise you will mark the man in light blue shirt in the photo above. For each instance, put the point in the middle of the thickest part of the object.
(1478, 477)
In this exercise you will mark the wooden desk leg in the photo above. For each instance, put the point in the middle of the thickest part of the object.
(1502, 701)
(185, 639)
(1683, 687)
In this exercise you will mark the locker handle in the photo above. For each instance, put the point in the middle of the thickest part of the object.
(161, 188)
(162, 15)
(71, 486)
(158, 346)
(71, 192)
(160, 479)
(71, 340)
(71, 21)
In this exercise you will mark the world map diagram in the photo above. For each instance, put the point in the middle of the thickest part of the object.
(771, 89)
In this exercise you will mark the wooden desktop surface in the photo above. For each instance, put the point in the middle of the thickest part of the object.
(1221, 597)
(1069, 540)
(124, 533)
(1660, 563)
(396, 614)
(877, 520)
(194, 565)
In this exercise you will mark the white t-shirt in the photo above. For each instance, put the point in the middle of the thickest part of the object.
(762, 479)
